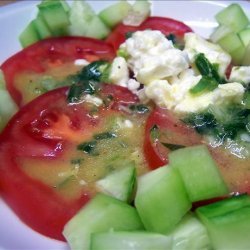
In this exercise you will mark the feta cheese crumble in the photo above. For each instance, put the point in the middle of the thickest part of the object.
(240, 74)
(151, 56)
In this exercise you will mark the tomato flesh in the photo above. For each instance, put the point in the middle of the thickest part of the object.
(47, 166)
(53, 57)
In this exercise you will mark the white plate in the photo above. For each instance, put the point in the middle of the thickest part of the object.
(13, 18)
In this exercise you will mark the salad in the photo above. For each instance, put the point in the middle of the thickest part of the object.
(124, 129)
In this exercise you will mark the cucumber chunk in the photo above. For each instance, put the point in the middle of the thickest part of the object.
(101, 214)
(245, 36)
(115, 13)
(246, 58)
(55, 16)
(233, 16)
(7, 106)
(190, 233)
(228, 222)
(29, 35)
(84, 21)
(119, 184)
(161, 199)
(41, 28)
(234, 46)
(199, 172)
(141, 9)
(130, 241)
(220, 32)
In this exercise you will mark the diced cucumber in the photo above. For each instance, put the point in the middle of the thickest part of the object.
(246, 58)
(245, 36)
(220, 32)
(130, 241)
(228, 222)
(233, 16)
(141, 9)
(7, 106)
(55, 16)
(41, 27)
(161, 199)
(84, 21)
(234, 46)
(115, 13)
(101, 214)
(119, 184)
(189, 234)
(29, 35)
(199, 172)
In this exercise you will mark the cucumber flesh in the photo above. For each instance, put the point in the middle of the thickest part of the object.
(246, 58)
(199, 172)
(161, 199)
(220, 32)
(233, 16)
(84, 21)
(115, 13)
(29, 35)
(141, 9)
(6, 111)
(102, 213)
(130, 241)
(190, 233)
(55, 16)
(41, 27)
(245, 36)
(234, 46)
(119, 184)
(228, 222)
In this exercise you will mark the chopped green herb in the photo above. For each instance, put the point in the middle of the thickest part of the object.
(154, 133)
(171, 37)
(128, 34)
(172, 147)
(87, 147)
(139, 108)
(105, 135)
(76, 161)
(206, 68)
(206, 84)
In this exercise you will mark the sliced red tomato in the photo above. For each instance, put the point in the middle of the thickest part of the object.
(51, 57)
(165, 25)
(52, 152)
(164, 132)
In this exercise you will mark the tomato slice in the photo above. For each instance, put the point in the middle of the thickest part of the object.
(163, 127)
(165, 25)
(52, 152)
(53, 57)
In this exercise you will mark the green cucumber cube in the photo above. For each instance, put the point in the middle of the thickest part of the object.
(101, 214)
(233, 16)
(85, 22)
(41, 27)
(119, 184)
(234, 46)
(55, 16)
(130, 241)
(245, 36)
(199, 172)
(220, 32)
(115, 13)
(29, 35)
(161, 199)
(246, 58)
(189, 234)
(228, 222)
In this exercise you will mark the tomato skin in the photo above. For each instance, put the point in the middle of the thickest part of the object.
(36, 203)
(155, 153)
(38, 56)
(165, 25)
